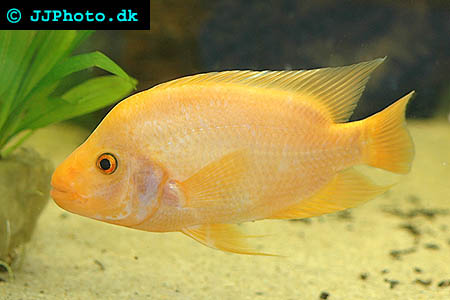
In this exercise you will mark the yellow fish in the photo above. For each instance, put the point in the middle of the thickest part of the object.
(202, 153)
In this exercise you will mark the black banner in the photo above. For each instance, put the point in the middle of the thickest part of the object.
(130, 15)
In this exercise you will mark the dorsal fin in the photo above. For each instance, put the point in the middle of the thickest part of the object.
(336, 89)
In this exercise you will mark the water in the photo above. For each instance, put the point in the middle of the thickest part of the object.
(393, 247)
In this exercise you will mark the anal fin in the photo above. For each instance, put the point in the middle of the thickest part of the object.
(347, 189)
(225, 237)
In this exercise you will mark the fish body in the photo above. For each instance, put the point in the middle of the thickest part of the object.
(203, 153)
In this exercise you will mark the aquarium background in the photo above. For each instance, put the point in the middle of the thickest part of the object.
(200, 36)
(394, 247)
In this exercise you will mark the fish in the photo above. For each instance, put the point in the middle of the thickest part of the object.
(203, 153)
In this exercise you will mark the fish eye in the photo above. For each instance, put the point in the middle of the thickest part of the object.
(107, 163)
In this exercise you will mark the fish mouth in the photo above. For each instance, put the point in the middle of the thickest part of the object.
(63, 197)
(58, 194)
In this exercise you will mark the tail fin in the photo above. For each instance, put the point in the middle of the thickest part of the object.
(389, 145)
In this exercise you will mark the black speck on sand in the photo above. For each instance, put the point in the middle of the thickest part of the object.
(323, 256)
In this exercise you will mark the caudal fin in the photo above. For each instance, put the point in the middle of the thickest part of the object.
(388, 143)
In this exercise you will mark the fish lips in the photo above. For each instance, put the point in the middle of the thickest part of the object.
(67, 199)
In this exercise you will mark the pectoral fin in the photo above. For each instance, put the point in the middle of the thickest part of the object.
(225, 237)
(347, 189)
(217, 182)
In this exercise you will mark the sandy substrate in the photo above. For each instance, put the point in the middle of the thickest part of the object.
(394, 247)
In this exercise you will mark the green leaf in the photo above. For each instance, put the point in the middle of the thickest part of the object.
(54, 46)
(35, 65)
(17, 143)
(81, 62)
(39, 95)
(13, 47)
(78, 37)
(89, 96)
(81, 35)
(16, 51)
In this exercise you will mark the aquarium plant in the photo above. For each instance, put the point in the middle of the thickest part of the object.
(40, 84)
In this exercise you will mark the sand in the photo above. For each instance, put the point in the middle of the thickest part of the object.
(394, 247)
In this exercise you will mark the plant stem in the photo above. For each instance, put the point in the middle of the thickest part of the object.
(14, 146)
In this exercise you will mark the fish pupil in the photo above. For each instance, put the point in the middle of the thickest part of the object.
(105, 164)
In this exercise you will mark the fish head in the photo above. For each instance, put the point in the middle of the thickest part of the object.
(109, 179)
